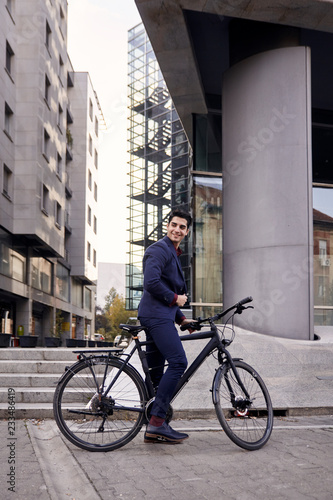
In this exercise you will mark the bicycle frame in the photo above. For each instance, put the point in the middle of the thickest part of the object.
(213, 344)
(102, 401)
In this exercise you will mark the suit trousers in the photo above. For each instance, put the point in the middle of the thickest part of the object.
(167, 347)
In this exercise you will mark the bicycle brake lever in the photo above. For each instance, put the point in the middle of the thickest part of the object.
(241, 308)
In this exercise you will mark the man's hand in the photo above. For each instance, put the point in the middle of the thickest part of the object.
(181, 300)
(186, 322)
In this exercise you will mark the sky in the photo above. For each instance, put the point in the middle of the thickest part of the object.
(97, 43)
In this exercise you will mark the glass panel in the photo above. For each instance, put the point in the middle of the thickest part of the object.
(322, 150)
(323, 248)
(41, 274)
(207, 241)
(77, 293)
(62, 282)
(4, 259)
(87, 299)
(208, 143)
(18, 266)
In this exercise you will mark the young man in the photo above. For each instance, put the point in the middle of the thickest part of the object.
(164, 292)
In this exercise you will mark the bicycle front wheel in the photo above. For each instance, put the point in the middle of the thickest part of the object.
(247, 421)
(100, 423)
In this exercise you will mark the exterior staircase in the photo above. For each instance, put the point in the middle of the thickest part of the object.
(33, 373)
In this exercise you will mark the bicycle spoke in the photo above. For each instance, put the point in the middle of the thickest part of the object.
(94, 421)
(247, 421)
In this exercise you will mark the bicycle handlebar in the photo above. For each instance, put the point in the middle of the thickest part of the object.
(196, 324)
(245, 301)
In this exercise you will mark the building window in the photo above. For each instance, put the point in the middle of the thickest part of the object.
(61, 70)
(45, 200)
(12, 263)
(88, 251)
(77, 293)
(62, 25)
(90, 145)
(18, 266)
(9, 58)
(87, 299)
(96, 126)
(62, 282)
(95, 258)
(207, 233)
(89, 215)
(46, 145)
(89, 180)
(41, 274)
(323, 253)
(208, 150)
(7, 182)
(91, 110)
(95, 224)
(96, 158)
(57, 215)
(9, 5)
(47, 90)
(48, 36)
(8, 120)
(95, 191)
(59, 166)
(60, 117)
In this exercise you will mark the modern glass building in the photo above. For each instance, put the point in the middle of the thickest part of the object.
(159, 160)
(252, 88)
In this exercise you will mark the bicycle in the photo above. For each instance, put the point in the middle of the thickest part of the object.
(101, 402)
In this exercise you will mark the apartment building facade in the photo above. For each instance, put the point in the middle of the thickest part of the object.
(49, 176)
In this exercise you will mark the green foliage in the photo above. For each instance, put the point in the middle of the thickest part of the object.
(57, 328)
(108, 319)
(110, 298)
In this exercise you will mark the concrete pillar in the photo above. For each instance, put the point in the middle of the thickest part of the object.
(267, 191)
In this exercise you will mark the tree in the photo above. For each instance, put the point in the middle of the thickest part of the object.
(109, 298)
(118, 314)
(114, 312)
(102, 324)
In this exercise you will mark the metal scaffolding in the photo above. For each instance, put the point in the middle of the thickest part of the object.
(159, 160)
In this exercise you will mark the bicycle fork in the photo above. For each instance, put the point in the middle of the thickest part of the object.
(239, 403)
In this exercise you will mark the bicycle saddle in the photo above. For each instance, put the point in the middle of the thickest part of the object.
(132, 329)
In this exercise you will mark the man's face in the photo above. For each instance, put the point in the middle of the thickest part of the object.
(177, 230)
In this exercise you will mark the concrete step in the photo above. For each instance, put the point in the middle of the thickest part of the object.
(41, 353)
(23, 380)
(33, 374)
(29, 394)
(28, 410)
(33, 366)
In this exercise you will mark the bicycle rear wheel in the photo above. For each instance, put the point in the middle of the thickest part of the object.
(94, 423)
(248, 422)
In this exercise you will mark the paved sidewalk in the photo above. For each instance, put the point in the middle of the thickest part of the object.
(37, 464)
(295, 464)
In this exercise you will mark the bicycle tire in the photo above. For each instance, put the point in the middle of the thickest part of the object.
(248, 424)
(79, 413)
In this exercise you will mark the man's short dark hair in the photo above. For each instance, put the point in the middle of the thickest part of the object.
(178, 212)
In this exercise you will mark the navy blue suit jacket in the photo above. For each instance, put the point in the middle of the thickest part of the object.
(163, 277)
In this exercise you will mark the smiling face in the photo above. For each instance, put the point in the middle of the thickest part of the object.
(177, 230)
